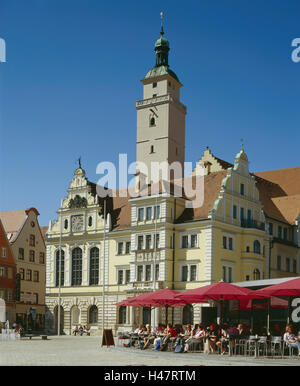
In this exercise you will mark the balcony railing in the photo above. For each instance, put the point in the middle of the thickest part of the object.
(249, 223)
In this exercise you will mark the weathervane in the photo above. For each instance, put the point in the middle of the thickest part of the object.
(162, 28)
(242, 143)
(79, 162)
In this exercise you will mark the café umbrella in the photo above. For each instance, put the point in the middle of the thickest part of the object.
(287, 288)
(160, 298)
(219, 292)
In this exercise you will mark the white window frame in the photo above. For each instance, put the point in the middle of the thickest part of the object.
(188, 265)
(4, 252)
(122, 268)
(189, 236)
(227, 265)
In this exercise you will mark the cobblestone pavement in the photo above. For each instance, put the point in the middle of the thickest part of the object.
(76, 351)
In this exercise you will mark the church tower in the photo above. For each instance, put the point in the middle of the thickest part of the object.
(160, 114)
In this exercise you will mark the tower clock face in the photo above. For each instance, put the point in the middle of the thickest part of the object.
(77, 223)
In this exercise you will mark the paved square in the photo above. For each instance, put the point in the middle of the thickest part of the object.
(87, 351)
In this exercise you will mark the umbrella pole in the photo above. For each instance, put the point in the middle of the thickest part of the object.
(289, 309)
(166, 308)
(268, 316)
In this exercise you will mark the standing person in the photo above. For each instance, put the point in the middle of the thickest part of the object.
(290, 338)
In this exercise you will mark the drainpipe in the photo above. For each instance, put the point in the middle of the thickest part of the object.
(173, 259)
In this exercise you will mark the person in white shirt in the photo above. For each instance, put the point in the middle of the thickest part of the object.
(197, 336)
(290, 338)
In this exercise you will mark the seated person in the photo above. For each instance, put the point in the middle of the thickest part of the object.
(196, 336)
(150, 337)
(214, 335)
(80, 330)
(134, 337)
(290, 339)
(170, 333)
(86, 330)
(223, 340)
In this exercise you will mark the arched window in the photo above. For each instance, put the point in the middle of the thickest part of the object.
(256, 274)
(94, 266)
(66, 224)
(60, 267)
(90, 221)
(152, 121)
(188, 314)
(122, 315)
(93, 315)
(256, 246)
(76, 266)
(75, 315)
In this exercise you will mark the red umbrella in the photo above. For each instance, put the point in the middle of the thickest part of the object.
(160, 298)
(219, 291)
(287, 288)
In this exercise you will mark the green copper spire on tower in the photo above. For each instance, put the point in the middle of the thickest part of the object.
(162, 48)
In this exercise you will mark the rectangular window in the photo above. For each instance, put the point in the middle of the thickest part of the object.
(36, 276)
(140, 242)
(22, 273)
(193, 273)
(127, 278)
(285, 233)
(141, 214)
(9, 296)
(185, 241)
(242, 214)
(120, 276)
(230, 241)
(149, 213)
(21, 254)
(184, 273)
(139, 273)
(3, 252)
(280, 232)
(270, 228)
(31, 256)
(242, 189)
(120, 248)
(156, 271)
(294, 266)
(36, 298)
(229, 275)
(194, 241)
(224, 242)
(234, 211)
(288, 264)
(2, 293)
(148, 241)
(279, 263)
(9, 273)
(224, 274)
(2, 272)
(148, 273)
(154, 84)
(28, 275)
(127, 247)
(249, 214)
(32, 240)
(42, 258)
(157, 211)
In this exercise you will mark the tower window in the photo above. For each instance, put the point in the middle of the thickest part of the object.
(152, 121)
(154, 95)
(152, 149)
(154, 84)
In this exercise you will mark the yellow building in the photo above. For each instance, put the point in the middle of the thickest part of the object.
(159, 241)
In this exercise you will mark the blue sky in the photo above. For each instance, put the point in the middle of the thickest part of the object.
(73, 72)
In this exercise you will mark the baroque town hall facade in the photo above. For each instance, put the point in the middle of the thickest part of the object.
(246, 229)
